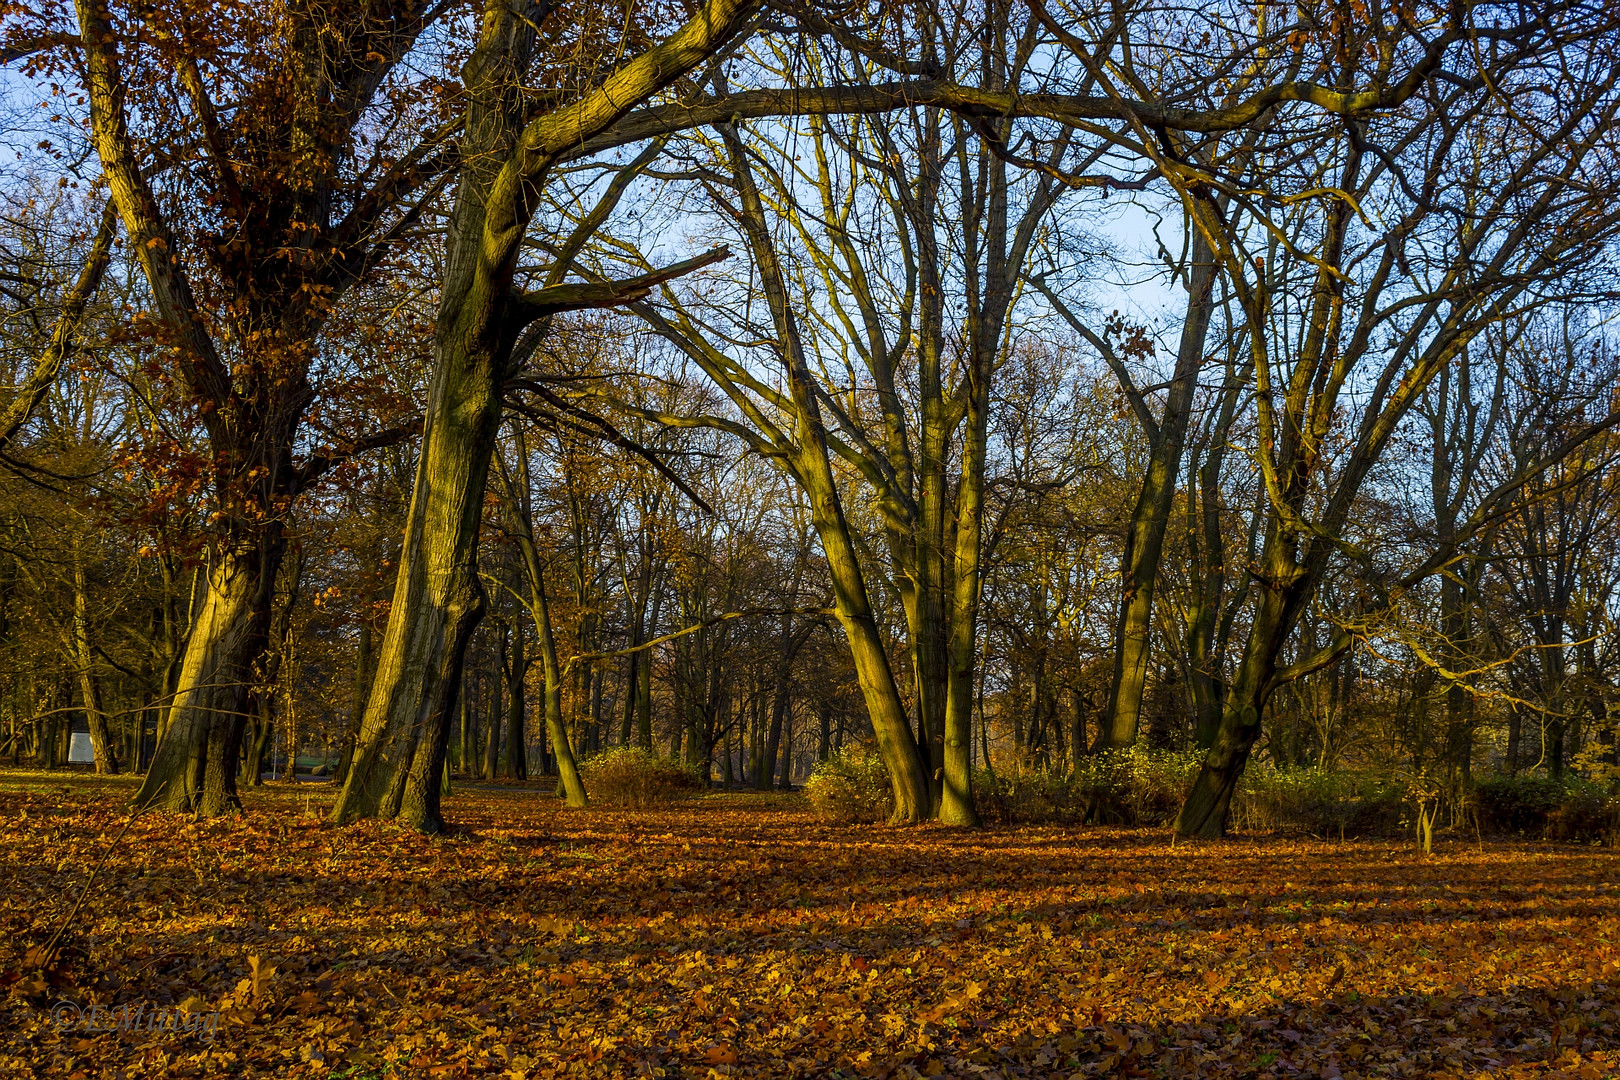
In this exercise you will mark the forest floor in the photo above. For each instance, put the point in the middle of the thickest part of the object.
(734, 935)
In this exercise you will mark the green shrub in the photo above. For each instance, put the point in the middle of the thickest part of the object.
(1031, 796)
(1517, 804)
(1137, 785)
(851, 785)
(631, 776)
(1324, 802)
(1538, 806)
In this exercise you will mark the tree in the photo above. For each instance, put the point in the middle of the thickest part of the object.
(249, 238)
(437, 600)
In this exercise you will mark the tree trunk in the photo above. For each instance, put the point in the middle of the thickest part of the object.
(497, 678)
(540, 607)
(1144, 542)
(1209, 803)
(1206, 541)
(437, 598)
(644, 732)
(517, 749)
(437, 603)
(89, 686)
(773, 738)
(727, 777)
(357, 708)
(567, 769)
(956, 798)
(638, 634)
(908, 780)
(258, 739)
(194, 767)
(785, 776)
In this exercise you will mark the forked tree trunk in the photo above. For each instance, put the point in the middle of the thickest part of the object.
(194, 767)
(258, 740)
(436, 606)
(908, 781)
(437, 598)
(1209, 803)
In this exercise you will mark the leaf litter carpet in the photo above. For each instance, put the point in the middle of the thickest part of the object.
(735, 935)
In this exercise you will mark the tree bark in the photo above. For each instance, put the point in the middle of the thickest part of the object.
(194, 767)
(1144, 541)
(517, 750)
(89, 686)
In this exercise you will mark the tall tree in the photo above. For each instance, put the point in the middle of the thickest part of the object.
(482, 312)
(248, 240)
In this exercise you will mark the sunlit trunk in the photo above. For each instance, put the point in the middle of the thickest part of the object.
(956, 767)
(194, 767)
(436, 605)
(556, 729)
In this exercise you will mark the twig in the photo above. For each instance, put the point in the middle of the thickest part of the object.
(46, 953)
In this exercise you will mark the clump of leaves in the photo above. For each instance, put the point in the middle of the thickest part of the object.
(632, 776)
(851, 785)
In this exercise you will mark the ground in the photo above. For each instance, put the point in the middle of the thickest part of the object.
(734, 935)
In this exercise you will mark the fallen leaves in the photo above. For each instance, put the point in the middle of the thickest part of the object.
(729, 939)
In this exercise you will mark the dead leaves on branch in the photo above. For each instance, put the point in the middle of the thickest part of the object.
(739, 937)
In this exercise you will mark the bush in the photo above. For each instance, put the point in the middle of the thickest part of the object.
(1032, 796)
(1517, 804)
(1134, 786)
(631, 776)
(1142, 786)
(851, 785)
(1324, 802)
(1139, 785)
(1537, 806)
(1587, 814)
